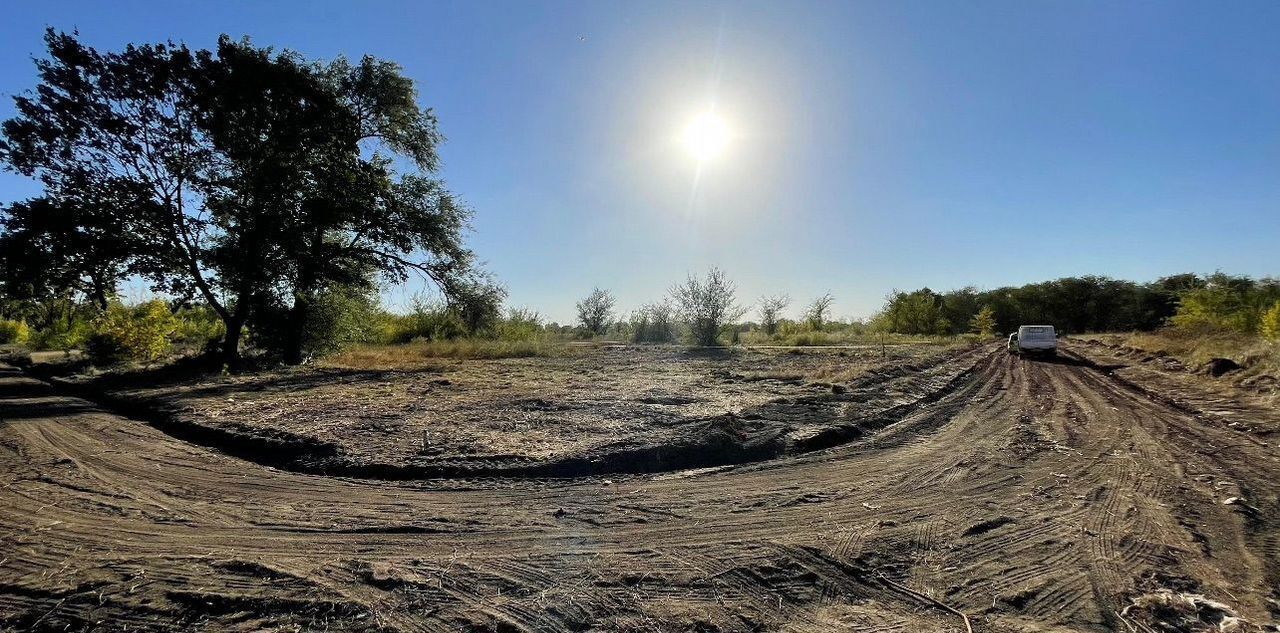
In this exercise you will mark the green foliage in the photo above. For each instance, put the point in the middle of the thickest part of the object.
(199, 329)
(143, 332)
(520, 324)
(339, 317)
(653, 323)
(1269, 328)
(1238, 304)
(64, 329)
(919, 312)
(253, 179)
(1085, 304)
(428, 320)
(984, 323)
(771, 312)
(816, 314)
(14, 332)
(595, 311)
(706, 305)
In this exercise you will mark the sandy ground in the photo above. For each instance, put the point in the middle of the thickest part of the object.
(1020, 495)
(598, 411)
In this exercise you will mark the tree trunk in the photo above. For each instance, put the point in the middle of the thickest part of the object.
(231, 341)
(297, 322)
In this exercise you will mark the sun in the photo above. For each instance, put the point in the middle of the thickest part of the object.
(706, 136)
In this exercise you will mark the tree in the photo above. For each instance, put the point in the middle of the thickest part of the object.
(816, 314)
(918, 312)
(595, 311)
(1270, 326)
(54, 249)
(254, 180)
(653, 323)
(771, 310)
(706, 304)
(984, 322)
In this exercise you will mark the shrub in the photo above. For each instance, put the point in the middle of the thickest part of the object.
(430, 320)
(199, 328)
(1270, 326)
(706, 305)
(594, 312)
(12, 331)
(984, 323)
(144, 332)
(816, 314)
(653, 323)
(771, 311)
(68, 330)
(520, 324)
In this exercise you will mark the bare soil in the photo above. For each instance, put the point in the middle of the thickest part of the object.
(615, 409)
(948, 490)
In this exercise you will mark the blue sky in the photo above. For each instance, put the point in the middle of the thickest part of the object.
(876, 145)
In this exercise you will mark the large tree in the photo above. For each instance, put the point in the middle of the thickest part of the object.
(53, 250)
(254, 180)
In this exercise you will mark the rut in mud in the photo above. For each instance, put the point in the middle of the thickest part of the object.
(1025, 495)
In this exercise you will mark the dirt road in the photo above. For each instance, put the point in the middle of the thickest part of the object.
(1032, 496)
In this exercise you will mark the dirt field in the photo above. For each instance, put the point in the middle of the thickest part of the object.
(934, 493)
(596, 411)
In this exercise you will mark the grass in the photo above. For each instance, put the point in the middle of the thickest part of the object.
(423, 352)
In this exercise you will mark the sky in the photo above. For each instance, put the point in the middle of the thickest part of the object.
(872, 145)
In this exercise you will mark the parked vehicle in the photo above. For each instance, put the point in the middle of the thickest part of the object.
(1034, 339)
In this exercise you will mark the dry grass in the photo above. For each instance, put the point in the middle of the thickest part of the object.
(1195, 348)
(423, 353)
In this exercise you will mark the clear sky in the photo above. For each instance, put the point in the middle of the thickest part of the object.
(874, 145)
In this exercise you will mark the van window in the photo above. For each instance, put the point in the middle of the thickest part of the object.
(1036, 329)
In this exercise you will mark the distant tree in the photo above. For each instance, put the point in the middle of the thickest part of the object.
(771, 311)
(596, 311)
(706, 304)
(984, 322)
(815, 315)
(918, 312)
(960, 306)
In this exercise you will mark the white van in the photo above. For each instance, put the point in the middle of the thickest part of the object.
(1034, 339)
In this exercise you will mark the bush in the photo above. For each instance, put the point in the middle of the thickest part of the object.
(984, 323)
(12, 331)
(144, 332)
(429, 320)
(706, 305)
(771, 312)
(1270, 326)
(520, 324)
(199, 328)
(595, 311)
(816, 314)
(67, 331)
(653, 323)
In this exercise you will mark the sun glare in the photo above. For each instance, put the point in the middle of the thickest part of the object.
(706, 136)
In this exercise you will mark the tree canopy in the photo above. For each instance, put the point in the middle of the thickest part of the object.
(248, 179)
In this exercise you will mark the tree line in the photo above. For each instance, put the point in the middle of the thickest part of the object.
(1089, 304)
